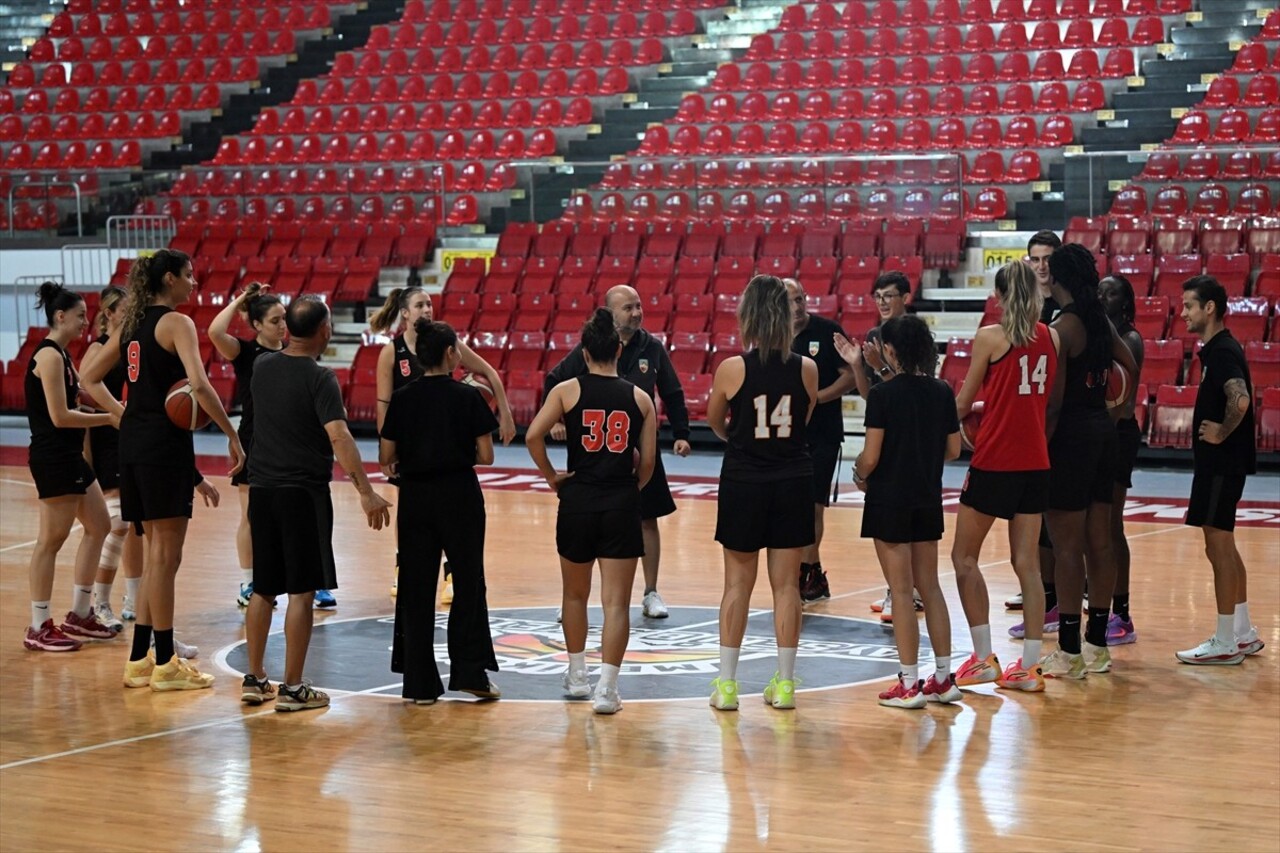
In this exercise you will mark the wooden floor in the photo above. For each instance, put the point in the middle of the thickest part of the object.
(1155, 755)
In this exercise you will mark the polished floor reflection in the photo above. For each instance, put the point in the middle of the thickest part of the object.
(1154, 755)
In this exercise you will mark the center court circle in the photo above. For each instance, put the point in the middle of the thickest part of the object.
(667, 659)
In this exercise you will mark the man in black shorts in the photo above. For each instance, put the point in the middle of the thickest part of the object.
(1222, 440)
(644, 363)
(815, 338)
(300, 426)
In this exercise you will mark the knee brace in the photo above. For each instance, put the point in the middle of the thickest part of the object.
(113, 547)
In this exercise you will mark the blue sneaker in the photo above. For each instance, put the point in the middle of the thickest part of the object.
(325, 600)
(246, 594)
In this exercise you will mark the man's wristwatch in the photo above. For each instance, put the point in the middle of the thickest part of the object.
(885, 371)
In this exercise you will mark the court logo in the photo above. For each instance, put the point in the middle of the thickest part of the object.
(667, 659)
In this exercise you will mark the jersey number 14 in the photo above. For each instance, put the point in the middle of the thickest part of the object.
(1038, 375)
(780, 417)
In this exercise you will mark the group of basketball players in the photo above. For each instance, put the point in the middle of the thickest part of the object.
(1048, 458)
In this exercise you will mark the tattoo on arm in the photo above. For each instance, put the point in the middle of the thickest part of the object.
(1237, 405)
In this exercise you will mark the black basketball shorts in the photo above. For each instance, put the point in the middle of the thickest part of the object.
(56, 478)
(292, 540)
(899, 525)
(1004, 494)
(1082, 468)
(824, 457)
(752, 516)
(612, 534)
(1128, 440)
(154, 492)
(1214, 498)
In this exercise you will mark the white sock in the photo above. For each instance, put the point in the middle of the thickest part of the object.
(1242, 621)
(1030, 653)
(729, 662)
(1226, 632)
(82, 600)
(786, 664)
(131, 586)
(608, 677)
(39, 614)
(942, 667)
(578, 662)
(102, 593)
(910, 675)
(981, 641)
(246, 576)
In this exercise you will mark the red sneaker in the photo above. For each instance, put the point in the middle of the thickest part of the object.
(944, 692)
(902, 696)
(86, 626)
(50, 639)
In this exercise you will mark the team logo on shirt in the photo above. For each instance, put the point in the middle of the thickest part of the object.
(644, 365)
(404, 367)
(667, 659)
(813, 348)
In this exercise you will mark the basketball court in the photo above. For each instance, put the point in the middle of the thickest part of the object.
(1154, 755)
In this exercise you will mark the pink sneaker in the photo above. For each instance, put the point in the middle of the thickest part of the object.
(946, 692)
(86, 626)
(903, 697)
(1120, 632)
(974, 671)
(50, 639)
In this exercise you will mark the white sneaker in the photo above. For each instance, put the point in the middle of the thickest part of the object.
(606, 701)
(886, 614)
(559, 614)
(877, 606)
(181, 649)
(1212, 652)
(576, 684)
(128, 612)
(108, 618)
(654, 607)
(1249, 643)
(1013, 602)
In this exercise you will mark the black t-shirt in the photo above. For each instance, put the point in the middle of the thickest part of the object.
(48, 442)
(147, 436)
(602, 433)
(817, 340)
(917, 413)
(435, 422)
(1222, 359)
(768, 441)
(295, 397)
(243, 366)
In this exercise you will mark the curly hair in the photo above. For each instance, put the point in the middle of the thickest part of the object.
(146, 281)
(913, 343)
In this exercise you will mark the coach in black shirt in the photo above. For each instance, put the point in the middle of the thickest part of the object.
(645, 364)
(815, 338)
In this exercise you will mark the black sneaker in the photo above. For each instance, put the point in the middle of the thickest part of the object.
(817, 589)
(806, 578)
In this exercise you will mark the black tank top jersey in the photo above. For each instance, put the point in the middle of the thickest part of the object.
(104, 441)
(602, 432)
(48, 442)
(767, 440)
(243, 365)
(147, 436)
(1084, 396)
(406, 367)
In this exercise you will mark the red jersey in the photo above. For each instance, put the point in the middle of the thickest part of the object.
(1016, 390)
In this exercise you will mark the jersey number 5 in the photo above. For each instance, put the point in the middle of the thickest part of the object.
(135, 360)
(608, 430)
(780, 417)
(1038, 376)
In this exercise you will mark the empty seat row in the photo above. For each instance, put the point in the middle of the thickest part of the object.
(520, 112)
(142, 125)
(110, 7)
(460, 209)
(536, 55)
(1233, 165)
(471, 86)
(849, 136)
(1256, 56)
(473, 176)
(949, 38)
(1211, 199)
(1260, 90)
(392, 146)
(210, 45)
(1176, 235)
(1164, 276)
(541, 28)
(190, 21)
(820, 73)
(416, 11)
(77, 155)
(1234, 126)
(183, 96)
(887, 13)
(30, 216)
(347, 278)
(139, 72)
(951, 100)
(1172, 418)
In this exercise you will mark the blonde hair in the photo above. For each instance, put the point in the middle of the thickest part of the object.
(389, 314)
(764, 317)
(146, 281)
(107, 301)
(1021, 300)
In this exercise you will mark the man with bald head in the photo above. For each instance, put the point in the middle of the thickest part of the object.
(645, 364)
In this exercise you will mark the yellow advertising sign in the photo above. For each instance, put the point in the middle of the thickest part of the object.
(448, 257)
(993, 259)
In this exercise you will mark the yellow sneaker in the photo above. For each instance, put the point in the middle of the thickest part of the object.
(780, 693)
(395, 582)
(179, 674)
(137, 673)
(724, 694)
(446, 594)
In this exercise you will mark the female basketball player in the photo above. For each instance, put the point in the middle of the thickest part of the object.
(397, 367)
(157, 458)
(265, 313)
(611, 431)
(912, 430)
(1082, 450)
(1116, 294)
(760, 404)
(1014, 364)
(435, 432)
(64, 481)
(104, 456)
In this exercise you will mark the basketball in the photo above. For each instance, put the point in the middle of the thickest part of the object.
(970, 424)
(480, 383)
(85, 401)
(181, 406)
(1117, 385)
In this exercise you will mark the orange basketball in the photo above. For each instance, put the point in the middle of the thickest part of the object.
(181, 406)
(85, 401)
(970, 424)
(480, 383)
(1117, 385)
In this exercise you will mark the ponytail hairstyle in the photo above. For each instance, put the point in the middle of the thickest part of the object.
(765, 318)
(53, 297)
(389, 314)
(913, 343)
(1073, 268)
(434, 340)
(1021, 301)
(600, 337)
(1130, 306)
(146, 281)
(259, 305)
(107, 301)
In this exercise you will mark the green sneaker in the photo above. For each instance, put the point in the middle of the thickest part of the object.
(724, 694)
(1060, 664)
(780, 693)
